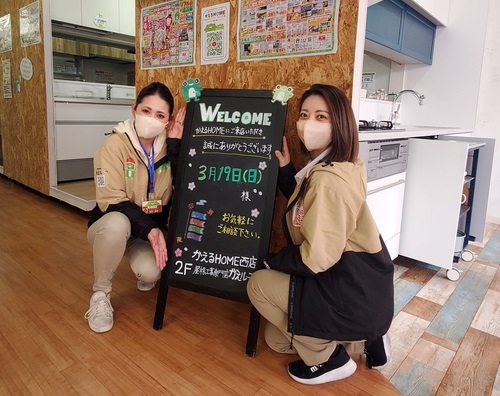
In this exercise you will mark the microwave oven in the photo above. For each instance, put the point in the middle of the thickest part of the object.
(384, 157)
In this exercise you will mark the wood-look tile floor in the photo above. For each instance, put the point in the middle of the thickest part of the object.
(445, 335)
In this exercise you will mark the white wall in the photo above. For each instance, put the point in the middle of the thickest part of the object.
(462, 85)
(451, 83)
(488, 104)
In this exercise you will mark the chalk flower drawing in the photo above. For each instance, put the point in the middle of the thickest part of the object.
(191, 186)
(192, 152)
(178, 252)
(262, 165)
(255, 213)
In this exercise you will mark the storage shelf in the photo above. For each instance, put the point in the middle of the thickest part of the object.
(468, 179)
(464, 209)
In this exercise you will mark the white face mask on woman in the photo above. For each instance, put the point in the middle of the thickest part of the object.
(148, 127)
(314, 134)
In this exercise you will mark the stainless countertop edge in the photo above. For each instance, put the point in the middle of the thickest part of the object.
(411, 131)
(125, 102)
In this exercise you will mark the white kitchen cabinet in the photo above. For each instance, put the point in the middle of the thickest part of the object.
(103, 15)
(436, 11)
(66, 11)
(117, 16)
(80, 128)
(80, 141)
(385, 200)
(432, 200)
(127, 17)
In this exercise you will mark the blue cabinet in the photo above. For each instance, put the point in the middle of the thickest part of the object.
(395, 25)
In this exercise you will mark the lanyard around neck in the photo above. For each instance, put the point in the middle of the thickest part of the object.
(151, 166)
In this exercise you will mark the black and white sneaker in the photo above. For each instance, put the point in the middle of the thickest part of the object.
(378, 352)
(339, 366)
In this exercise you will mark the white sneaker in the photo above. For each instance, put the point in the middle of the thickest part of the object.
(145, 286)
(100, 313)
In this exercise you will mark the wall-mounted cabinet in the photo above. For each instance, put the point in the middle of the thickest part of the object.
(435, 11)
(396, 31)
(66, 11)
(117, 16)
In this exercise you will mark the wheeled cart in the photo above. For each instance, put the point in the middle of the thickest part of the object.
(440, 172)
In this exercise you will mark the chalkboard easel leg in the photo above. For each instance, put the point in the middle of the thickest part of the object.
(161, 302)
(253, 332)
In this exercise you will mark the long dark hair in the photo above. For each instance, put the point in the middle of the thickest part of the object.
(160, 89)
(345, 142)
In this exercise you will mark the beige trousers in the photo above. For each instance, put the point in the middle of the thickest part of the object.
(268, 291)
(110, 240)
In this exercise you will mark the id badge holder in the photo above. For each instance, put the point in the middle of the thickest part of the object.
(151, 206)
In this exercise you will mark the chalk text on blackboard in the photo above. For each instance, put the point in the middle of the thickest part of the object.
(211, 114)
(229, 174)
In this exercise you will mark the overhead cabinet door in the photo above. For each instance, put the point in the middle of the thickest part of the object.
(384, 24)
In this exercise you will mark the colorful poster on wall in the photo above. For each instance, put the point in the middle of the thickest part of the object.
(168, 34)
(284, 28)
(5, 34)
(29, 24)
(215, 34)
(6, 79)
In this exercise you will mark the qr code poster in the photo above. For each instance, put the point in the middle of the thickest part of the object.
(215, 34)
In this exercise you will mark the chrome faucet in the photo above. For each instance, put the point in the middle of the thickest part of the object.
(394, 113)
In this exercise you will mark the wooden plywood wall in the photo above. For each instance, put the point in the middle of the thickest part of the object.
(23, 119)
(336, 69)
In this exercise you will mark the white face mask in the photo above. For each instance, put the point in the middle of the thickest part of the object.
(148, 127)
(314, 134)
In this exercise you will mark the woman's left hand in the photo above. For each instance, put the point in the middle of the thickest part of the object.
(176, 126)
(157, 241)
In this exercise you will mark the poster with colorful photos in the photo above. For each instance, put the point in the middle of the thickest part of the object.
(284, 28)
(168, 34)
(5, 34)
(29, 24)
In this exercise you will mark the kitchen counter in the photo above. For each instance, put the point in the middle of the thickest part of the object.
(410, 131)
(100, 101)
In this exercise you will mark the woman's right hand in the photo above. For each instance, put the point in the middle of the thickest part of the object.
(283, 155)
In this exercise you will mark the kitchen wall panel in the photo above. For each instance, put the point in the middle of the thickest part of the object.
(23, 119)
(336, 69)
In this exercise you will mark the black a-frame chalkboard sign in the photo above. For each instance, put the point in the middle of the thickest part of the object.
(224, 196)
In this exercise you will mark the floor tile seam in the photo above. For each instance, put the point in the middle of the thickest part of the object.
(454, 299)
(420, 366)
